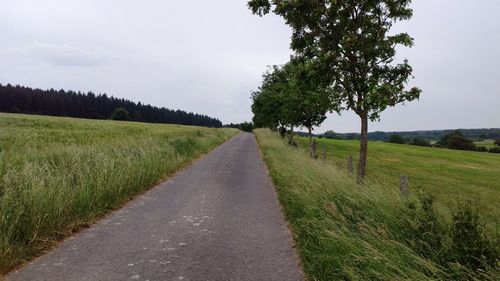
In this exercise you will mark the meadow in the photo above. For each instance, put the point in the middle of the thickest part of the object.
(452, 176)
(60, 174)
(347, 231)
(489, 143)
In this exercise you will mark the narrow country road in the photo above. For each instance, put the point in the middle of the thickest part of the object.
(219, 219)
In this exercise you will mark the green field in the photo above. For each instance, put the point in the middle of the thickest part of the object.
(345, 231)
(58, 174)
(486, 143)
(451, 175)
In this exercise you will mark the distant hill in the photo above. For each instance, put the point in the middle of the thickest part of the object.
(474, 134)
(19, 99)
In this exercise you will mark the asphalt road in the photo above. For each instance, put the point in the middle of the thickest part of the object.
(218, 219)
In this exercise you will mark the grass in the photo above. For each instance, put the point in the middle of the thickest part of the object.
(452, 176)
(486, 143)
(347, 232)
(59, 174)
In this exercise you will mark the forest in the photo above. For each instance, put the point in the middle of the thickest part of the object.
(20, 99)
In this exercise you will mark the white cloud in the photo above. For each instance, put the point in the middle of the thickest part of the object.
(56, 54)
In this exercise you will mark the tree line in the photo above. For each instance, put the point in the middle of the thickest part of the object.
(429, 135)
(343, 58)
(19, 99)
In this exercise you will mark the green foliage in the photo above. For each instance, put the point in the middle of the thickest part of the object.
(456, 140)
(481, 149)
(470, 245)
(63, 173)
(497, 142)
(350, 45)
(120, 114)
(245, 126)
(291, 95)
(494, 150)
(332, 135)
(420, 142)
(395, 138)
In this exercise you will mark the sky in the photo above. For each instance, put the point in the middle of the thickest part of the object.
(207, 56)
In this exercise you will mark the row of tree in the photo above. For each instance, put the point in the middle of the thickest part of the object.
(344, 59)
(454, 140)
(19, 99)
(245, 126)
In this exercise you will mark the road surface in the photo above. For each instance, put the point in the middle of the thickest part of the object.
(218, 219)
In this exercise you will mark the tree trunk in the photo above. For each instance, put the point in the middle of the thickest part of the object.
(363, 147)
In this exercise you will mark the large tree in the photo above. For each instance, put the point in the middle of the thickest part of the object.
(352, 43)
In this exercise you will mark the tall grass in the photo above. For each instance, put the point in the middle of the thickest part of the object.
(57, 174)
(345, 231)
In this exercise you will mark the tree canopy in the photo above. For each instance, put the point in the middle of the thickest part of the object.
(350, 43)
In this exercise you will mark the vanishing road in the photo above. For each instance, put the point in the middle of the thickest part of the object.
(219, 219)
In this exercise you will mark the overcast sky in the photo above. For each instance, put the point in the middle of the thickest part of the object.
(207, 56)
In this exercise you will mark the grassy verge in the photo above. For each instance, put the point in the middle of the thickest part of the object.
(347, 232)
(452, 176)
(58, 174)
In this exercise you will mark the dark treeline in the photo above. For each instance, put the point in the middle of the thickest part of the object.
(19, 99)
(474, 134)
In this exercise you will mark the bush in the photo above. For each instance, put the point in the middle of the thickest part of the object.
(456, 140)
(470, 247)
(497, 142)
(332, 135)
(495, 150)
(395, 138)
(481, 149)
(421, 142)
(120, 113)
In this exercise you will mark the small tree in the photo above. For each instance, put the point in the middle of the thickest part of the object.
(395, 138)
(120, 113)
(456, 140)
(351, 42)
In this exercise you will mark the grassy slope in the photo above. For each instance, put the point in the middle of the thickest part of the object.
(450, 175)
(57, 174)
(344, 232)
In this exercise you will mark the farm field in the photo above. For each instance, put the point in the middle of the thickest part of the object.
(486, 143)
(452, 176)
(344, 232)
(59, 174)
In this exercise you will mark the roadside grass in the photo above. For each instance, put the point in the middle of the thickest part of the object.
(345, 231)
(59, 174)
(452, 176)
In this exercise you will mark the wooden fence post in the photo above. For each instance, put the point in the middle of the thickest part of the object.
(350, 166)
(403, 185)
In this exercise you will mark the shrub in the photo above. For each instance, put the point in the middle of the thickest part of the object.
(497, 142)
(495, 150)
(470, 247)
(331, 135)
(395, 138)
(421, 142)
(481, 149)
(120, 113)
(456, 140)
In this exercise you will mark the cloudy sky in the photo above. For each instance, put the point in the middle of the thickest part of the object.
(207, 56)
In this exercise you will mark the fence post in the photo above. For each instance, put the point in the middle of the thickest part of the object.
(350, 166)
(403, 185)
